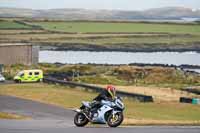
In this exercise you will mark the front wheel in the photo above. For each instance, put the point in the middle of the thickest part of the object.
(17, 81)
(80, 120)
(115, 120)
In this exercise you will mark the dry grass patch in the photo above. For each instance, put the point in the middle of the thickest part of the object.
(4, 115)
(53, 94)
(143, 113)
(159, 122)
(159, 94)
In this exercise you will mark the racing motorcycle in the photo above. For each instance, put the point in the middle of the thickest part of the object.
(110, 113)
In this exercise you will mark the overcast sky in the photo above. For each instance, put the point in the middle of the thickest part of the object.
(99, 4)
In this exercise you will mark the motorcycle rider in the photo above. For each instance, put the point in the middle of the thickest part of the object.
(107, 94)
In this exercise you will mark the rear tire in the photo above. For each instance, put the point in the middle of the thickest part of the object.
(80, 120)
(117, 122)
(39, 80)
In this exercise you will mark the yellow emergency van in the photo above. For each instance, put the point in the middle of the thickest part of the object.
(29, 76)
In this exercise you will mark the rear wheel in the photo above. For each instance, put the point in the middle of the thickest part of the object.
(80, 120)
(115, 120)
(39, 80)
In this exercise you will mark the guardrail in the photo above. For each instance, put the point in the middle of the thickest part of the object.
(190, 100)
(139, 97)
(185, 100)
(191, 90)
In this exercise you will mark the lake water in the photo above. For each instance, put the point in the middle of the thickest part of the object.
(85, 57)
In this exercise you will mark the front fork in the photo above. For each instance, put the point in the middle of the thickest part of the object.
(114, 114)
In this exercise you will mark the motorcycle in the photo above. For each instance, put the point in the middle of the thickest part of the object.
(110, 113)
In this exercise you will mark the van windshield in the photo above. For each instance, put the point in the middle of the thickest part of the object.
(20, 74)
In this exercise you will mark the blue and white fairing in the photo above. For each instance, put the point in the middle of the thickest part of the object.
(107, 106)
(99, 117)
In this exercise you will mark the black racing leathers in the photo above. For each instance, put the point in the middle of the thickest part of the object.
(104, 95)
(96, 104)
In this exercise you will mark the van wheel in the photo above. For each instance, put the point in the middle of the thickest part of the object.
(18, 81)
(39, 80)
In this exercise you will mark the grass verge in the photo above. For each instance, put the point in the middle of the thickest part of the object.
(159, 94)
(136, 113)
(12, 25)
(84, 27)
(4, 115)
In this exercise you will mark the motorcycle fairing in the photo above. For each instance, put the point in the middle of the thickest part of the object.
(101, 114)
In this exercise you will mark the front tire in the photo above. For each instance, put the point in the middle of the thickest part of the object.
(80, 120)
(116, 120)
(18, 81)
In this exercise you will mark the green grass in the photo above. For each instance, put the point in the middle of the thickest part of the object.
(109, 41)
(83, 27)
(163, 111)
(101, 79)
(12, 25)
(71, 98)
(138, 35)
(128, 42)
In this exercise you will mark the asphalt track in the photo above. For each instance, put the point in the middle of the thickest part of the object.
(7, 82)
(52, 119)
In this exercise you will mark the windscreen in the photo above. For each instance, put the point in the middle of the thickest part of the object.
(20, 73)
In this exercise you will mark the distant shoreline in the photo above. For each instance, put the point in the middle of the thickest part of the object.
(121, 49)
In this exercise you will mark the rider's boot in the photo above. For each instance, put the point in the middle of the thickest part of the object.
(93, 112)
